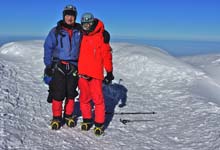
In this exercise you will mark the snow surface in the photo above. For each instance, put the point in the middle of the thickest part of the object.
(184, 93)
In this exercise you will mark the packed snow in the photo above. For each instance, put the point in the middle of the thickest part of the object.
(184, 93)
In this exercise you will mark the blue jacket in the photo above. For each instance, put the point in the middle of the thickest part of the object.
(60, 47)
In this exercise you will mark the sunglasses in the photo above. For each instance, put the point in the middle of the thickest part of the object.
(87, 25)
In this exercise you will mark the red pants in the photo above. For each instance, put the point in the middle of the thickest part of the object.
(57, 107)
(92, 90)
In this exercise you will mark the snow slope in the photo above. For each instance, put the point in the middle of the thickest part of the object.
(210, 65)
(150, 80)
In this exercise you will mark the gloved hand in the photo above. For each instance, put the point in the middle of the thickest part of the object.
(47, 79)
(48, 71)
(108, 78)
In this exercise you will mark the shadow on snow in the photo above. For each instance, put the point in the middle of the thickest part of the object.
(113, 94)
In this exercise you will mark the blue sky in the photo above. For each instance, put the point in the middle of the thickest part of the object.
(160, 19)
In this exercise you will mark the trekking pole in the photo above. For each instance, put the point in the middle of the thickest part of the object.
(125, 121)
(129, 113)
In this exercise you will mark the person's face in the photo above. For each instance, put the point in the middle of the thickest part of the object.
(69, 19)
(87, 26)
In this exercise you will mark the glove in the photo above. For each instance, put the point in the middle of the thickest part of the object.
(50, 94)
(108, 78)
(48, 71)
(47, 79)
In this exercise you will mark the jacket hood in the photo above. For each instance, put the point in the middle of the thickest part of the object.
(61, 24)
(99, 27)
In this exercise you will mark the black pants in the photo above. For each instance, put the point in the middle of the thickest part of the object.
(64, 82)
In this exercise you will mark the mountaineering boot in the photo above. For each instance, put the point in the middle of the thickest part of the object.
(86, 124)
(70, 121)
(55, 123)
(99, 129)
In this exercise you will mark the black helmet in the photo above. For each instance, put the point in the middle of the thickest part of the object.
(69, 10)
(88, 22)
(87, 18)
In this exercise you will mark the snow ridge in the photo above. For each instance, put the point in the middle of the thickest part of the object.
(150, 80)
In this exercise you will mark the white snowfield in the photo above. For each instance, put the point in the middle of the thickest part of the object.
(185, 98)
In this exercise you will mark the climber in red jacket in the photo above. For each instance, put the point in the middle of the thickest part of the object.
(95, 56)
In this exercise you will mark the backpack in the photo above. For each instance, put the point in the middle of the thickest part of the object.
(106, 36)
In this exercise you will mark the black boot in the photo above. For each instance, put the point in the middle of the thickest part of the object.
(56, 123)
(99, 129)
(86, 124)
(70, 121)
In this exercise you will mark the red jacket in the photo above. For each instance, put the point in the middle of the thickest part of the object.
(95, 55)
